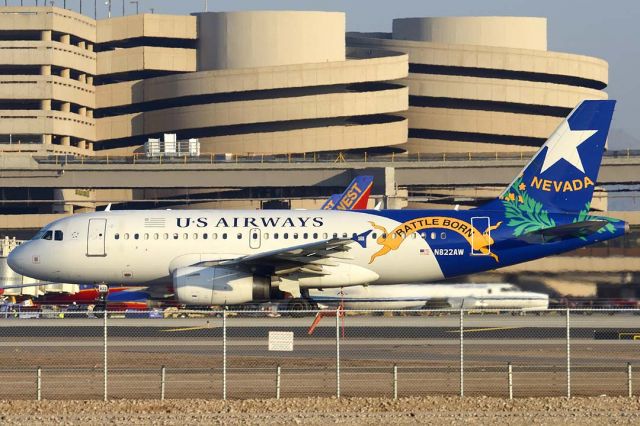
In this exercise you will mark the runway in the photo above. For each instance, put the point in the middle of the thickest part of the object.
(426, 352)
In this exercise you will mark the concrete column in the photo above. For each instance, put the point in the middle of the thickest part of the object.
(90, 80)
(65, 38)
(82, 144)
(65, 73)
(65, 107)
(65, 140)
(89, 113)
(46, 139)
(90, 47)
(83, 111)
(45, 35)
(90, 146)
(45, 104)
(82, 78)
(82, 45)
(45, 70)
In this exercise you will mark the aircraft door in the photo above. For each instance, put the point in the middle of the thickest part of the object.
(96, 237)
(255, 237)
(480, 243)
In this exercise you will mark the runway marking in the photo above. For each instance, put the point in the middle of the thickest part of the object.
(200, 327)
(471, 330)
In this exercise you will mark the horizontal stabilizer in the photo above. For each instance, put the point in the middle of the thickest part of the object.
(571, 230)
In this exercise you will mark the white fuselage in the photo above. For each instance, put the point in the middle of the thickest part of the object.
(414, 296)
(138, 247)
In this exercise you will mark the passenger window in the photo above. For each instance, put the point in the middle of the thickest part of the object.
(214, 236)
(195, 236)
(295, 235)
(443, 235)
(185, 236)
(126, 236)
(335, 235)
(265, 236)
(175, 236)
(239, 235)
(254, 235)
(205, 236)
(275, 236)
(315, 235)
(156, 236)
(165, 236)
(305, 236)
(146, 236)
(285, 235)
(325, 236)
(414, 236)
(374, 235)
(136, 236)
(433, 235)
(224, 236)
(116, 236)
(345, 235)
(58, 235)
(354, 235)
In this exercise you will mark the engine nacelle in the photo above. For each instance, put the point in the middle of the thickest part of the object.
(219, 286)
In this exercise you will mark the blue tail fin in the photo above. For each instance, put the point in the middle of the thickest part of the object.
(561, 177)
(355, 197)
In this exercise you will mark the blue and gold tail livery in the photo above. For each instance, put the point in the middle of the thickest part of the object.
(562, 175)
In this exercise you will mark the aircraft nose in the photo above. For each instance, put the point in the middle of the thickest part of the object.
(17, 259)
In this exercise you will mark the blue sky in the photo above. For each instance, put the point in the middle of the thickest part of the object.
(606, 29)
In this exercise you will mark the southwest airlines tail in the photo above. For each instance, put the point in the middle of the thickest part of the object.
(561, 177)
(355, 197)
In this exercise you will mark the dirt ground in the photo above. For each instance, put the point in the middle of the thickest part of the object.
(317, 411)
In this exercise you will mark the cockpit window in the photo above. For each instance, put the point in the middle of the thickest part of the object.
(48, 235)
(58, 235)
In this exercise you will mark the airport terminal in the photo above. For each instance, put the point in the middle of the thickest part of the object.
(285, 115)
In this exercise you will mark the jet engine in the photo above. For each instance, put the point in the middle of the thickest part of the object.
(219, 286)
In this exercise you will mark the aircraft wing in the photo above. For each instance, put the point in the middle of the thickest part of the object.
(571, 230)
(308, 258)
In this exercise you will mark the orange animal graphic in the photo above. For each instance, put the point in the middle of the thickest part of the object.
(479, 241)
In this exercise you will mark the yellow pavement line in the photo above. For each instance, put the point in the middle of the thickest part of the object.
(201, 327)
(470, 330)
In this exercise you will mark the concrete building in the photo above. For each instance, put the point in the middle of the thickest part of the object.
(485, 84)
(242, 82)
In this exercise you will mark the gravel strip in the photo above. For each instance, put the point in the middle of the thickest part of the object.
(320, 411)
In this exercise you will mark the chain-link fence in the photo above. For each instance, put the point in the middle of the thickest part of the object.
(263, 354)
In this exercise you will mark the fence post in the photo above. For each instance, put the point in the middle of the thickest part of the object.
(338, 352)
(461, 352)
(568, 353)
(224, 354)
(395, 381)
(510, 379)
(629, 381)
(39, 384)
(278, 371)
(163, 376)
(104, 367)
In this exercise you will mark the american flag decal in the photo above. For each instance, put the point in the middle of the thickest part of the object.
(154, 222)
(425, 251)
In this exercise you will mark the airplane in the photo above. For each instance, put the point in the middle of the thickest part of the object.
(417, 296)
(231, 257)
(355, 197)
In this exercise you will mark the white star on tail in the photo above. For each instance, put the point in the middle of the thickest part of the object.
(564, 144)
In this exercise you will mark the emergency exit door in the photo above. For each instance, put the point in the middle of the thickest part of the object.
(96, 237)
(254, 238)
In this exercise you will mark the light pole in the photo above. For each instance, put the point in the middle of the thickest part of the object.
(123, 11)
(152, 10)
(108, 3)
(136, 2)
(206, 5)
